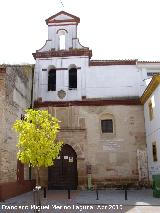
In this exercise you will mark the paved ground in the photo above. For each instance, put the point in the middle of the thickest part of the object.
(113, 201)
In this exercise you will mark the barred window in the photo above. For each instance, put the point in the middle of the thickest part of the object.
(107, 126)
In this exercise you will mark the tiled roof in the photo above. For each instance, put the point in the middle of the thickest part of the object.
(112, 62)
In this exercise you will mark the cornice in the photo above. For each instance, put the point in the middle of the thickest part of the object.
(63, 53)
(87, 103)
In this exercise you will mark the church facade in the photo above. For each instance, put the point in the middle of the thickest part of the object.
(97, 102)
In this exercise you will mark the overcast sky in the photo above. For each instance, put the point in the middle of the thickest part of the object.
(113, 29)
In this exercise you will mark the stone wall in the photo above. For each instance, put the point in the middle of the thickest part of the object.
(15, 97)
(2, 115)
(112, 157)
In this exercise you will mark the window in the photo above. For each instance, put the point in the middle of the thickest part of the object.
(154, 151)
(52, 80)
(62, 33)
(150, 107)
(73, 78)
(107, 126)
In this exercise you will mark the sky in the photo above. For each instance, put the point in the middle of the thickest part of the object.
(112, 29)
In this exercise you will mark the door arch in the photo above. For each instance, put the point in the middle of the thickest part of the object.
(63, 174)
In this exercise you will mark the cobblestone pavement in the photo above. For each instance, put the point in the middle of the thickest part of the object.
(112, 201)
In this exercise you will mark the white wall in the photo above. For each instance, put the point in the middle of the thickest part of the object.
(53, 37)
(153, 132)
(118, 81)
(62, 81)
(113, 81)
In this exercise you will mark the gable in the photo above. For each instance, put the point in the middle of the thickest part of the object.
(62, 17)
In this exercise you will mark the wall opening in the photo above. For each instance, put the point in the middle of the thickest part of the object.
(52, 80)
(73, 78)
(63, 174)
(154, 151)
(62, 42)
(107, 126)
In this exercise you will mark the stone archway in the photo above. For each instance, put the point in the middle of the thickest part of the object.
(63, 174)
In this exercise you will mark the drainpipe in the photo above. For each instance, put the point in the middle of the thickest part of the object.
(31, 105)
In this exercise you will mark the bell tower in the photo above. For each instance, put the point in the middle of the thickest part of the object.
(60, 69)
(62, 33)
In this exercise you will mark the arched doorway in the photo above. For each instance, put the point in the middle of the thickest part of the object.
(63, 174)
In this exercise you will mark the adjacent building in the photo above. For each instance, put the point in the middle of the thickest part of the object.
(15, 97)
(150, 99)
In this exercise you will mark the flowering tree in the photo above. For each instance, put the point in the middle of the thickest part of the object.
(37, 139)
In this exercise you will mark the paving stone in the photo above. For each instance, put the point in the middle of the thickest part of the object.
(139, 201)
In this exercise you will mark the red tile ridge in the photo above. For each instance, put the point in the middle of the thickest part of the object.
(149, 62)
(112, 62)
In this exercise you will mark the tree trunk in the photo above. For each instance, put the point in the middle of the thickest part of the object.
(37, 195)
(37, 176)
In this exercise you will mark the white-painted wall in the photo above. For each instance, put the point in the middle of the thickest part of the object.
(113, 81)
(62, 80)
(122, 81)
(153, 132)
(116, 81)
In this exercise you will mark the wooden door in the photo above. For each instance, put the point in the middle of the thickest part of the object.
(20, 172)
(63, 174)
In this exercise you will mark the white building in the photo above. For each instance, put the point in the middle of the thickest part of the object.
(95, 78)
(150, 99)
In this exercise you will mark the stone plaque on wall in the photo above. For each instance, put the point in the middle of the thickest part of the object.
(111, 146)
